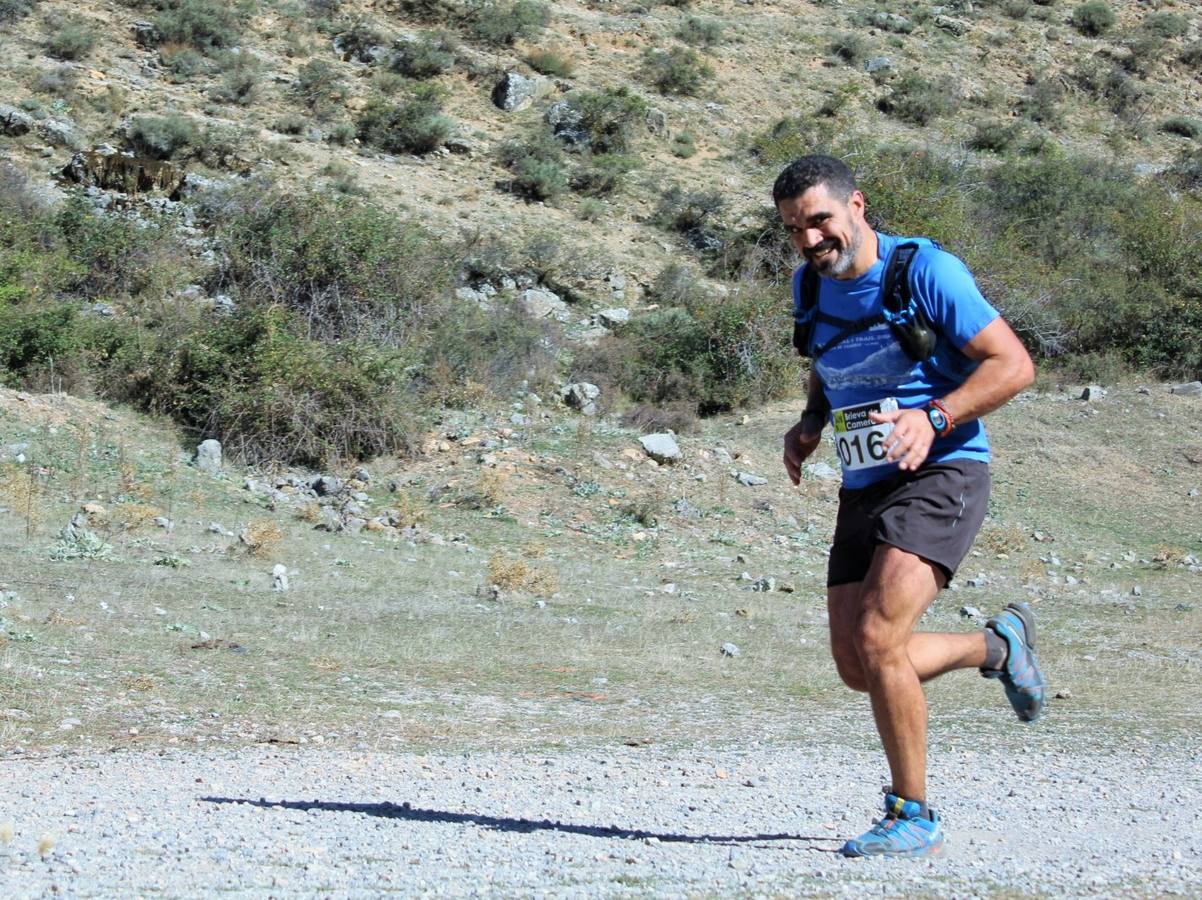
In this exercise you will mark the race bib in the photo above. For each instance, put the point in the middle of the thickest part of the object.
(858, 440)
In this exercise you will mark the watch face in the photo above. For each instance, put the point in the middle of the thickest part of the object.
(938, 420)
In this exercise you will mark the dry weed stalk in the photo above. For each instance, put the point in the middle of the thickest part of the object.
(493, 485)
(518, 575)
(134, 516)
(21, 490)
(261, 537)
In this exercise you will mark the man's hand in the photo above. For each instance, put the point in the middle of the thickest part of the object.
(910, 441)
(801, 440)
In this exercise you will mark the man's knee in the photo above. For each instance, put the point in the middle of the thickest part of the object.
(850, 670)
(878, 642)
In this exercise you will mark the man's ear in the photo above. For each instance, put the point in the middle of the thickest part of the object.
(856, 202)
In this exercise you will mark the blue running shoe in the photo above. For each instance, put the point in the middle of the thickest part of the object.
(1020, 675)
(904, 831)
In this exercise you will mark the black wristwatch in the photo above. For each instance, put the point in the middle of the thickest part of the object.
(940, 419)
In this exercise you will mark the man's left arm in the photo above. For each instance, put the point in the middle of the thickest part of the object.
(1004, 369)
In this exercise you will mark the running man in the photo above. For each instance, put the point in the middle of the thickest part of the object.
(904, 381)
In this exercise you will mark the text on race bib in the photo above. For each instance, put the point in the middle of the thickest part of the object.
(858, 440)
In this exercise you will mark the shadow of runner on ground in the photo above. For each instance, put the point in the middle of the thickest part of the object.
(522, 826)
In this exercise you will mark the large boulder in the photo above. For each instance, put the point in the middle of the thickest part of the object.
(13, 122)
(582, 396)
(515, 91)
(661, 447)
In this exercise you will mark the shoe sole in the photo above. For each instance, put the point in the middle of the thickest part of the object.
(1000, 627)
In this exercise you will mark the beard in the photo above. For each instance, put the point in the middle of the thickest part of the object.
(845, 255)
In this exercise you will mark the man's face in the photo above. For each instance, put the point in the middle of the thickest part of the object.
(828, 232)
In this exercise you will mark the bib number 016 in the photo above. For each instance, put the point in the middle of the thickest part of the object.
(859, 441)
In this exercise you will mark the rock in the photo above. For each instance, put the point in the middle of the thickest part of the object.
(515, 91)
(1093, 392)
(893, 22)
(822, 471)
(326, 486)
(729, 649)
(958, 27)
(765, 586)
(684, 508)
(661, 447)
(109, 170)
(581, 395)
(542, 304)
(145, 34)
(978, 581)
(1137, 591)
(1189, 389)
(970, 612)
(611, 318)
(279, 577)
(1064, 694)
(13, 122)
(723, 456)
(567, 123)
(60, 133)
(882, 64)
(657, 122)
(208, 456)
(460, 145)
(747, 479)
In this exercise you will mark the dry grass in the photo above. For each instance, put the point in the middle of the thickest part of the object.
(135, 516)
(261, 538)
(519, 575)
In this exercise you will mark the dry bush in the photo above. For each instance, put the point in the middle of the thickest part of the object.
(309, 513)
(996, 539)
(134, 516)
(261, 537)
(518, 575)
(20, 491)
(493, 486)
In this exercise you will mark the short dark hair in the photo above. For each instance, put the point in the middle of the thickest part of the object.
(809, 171)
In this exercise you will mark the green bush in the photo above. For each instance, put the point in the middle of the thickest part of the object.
(676, 71)
(504, 22)
(1041, 103)
(603, 173)
(918, 100)
(792, 138)
(1106, 82)
(1183, 126)
(11, 10)
(551, 62)
(1167, 25)
(415, 125)
(238, 87)
(700, 32)
(613, 118)
(683, 211)
(204, 24)
(851, 47)
(164, 137)
(684, 144)
(994, 136)
(537, 166)
(1191, 55)
(70, 39)
(182, 61)
(430, 55)
(1093, 18)
(319, 86)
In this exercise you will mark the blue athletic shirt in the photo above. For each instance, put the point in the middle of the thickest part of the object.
(872, 365)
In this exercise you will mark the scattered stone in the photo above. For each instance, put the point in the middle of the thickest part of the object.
(1189, 389)
(881, 64)
(661, 447)
(208, 457)
(1071, 580)
(970, 612)
(747, 479)
(581, 395)
(958, 27)
(729, 649)
(686, 509)
(1064, 694)
(1093, 392)
(657, 122)
(822, 471)
(1137, 591)
(327, 486)
(543, 304)
(567, 123)
(765, 585)
(60, 133)
(279, 578)
(611, 318)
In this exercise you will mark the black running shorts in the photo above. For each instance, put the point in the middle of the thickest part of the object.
(934, 513)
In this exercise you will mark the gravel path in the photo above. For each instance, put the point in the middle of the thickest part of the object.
(283, 822)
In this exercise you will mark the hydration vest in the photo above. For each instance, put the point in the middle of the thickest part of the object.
(899, 310)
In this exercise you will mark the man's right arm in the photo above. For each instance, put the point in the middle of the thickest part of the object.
(802, 439)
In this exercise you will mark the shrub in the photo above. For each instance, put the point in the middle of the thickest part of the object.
(851, 47)
(237, 87)
(349, 269)
(700, 32)
(1041, 102)
(551, 62)
(918, 100)
(603, 173)
(319, 86)
(537, 166)
(204, 24)
(791, 138)
(994, 136)
(1191, 55)
(415, 125)
(164, 137)
(1180, 125)
(676, 71)
(613, 118)
(70, 39)
(359, 39)
(430, 55)
(684, 144)
(1093, 18)
(684, 211)
(677, 284)
(1016, 9)
(1108, 83)
(182, 61)
(590, 209)
(1166, 24)
(11, 10)
(291, 124)
(504, 22)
